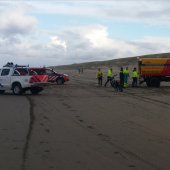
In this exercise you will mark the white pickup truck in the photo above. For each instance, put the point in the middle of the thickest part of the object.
(19, 79)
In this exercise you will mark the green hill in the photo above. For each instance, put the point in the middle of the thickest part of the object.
(129, 61)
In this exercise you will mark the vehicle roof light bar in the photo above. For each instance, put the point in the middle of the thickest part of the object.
(10, 64)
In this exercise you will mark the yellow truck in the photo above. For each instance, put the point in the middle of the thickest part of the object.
(154, 70)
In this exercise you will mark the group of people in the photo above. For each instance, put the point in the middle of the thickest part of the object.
(124, 76)
(80, 70)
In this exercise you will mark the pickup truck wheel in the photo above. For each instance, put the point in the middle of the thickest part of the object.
(155, 82)
(17, 89)
(60, 81)
(2, 91)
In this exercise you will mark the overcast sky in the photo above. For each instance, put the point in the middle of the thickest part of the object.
(44, 33)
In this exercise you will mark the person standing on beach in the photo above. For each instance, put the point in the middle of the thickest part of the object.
(78, 70)
(82, 70)
(109, 76)
(134, 77)
(126, 76)
(99, 76)
(121, 76)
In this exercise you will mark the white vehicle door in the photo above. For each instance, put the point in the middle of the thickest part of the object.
(5, 78)
(22, 76)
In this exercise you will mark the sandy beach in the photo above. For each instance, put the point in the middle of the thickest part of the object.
(80, 126)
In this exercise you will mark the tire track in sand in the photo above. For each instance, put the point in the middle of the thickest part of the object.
(148, 99)
(28, 136)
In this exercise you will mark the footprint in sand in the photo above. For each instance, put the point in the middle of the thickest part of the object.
(15, 148)
(47, 130)
(90, 127)
(45, 117)
(116, 152)
(131, 166)
(51, 167)
(46, 151)
(42, 124)
(43, 142)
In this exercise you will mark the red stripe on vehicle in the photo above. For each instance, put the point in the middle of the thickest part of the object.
(37, 79)
(45, 78)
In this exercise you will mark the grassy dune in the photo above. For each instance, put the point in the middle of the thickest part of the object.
(129, 61)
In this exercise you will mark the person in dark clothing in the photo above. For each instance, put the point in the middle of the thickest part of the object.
(134, 77)
(79, 70)
(109, 76)
(82, 70)
(121, 76)
(99, 76)
(116, 85)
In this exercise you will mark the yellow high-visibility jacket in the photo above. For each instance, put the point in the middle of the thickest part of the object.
(99, 74)
(125, 71)
(109, 73)
(134, 74)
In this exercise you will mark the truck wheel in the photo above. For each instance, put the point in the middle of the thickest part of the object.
(17, 89)
(60, 81)
(2, 91)
(155, 82)
(35, 91)
(147, 80)
(148, 84)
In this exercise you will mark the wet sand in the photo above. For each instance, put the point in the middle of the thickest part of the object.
(79, 126)
(14, 124)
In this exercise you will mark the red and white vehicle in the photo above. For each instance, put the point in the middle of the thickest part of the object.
(20, 79)
(52, 75)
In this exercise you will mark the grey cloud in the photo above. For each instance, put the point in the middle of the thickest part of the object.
(14, 29)
(15, 22)
(143, 11)
(79, 49)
